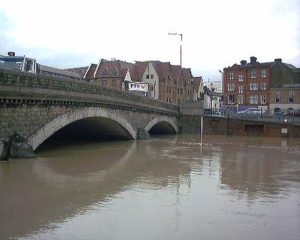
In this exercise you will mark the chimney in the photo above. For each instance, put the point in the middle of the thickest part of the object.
(243, 62)
(253, 60)
(278, 60)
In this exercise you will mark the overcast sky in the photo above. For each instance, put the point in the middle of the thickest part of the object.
(216, 33)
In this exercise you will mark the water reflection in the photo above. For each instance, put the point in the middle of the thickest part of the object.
(175, 174)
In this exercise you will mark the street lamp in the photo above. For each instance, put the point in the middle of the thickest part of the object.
(180, 35)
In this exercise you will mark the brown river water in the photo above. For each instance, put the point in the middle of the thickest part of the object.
(167, 187)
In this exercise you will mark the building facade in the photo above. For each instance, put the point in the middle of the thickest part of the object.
(285, 97)
(163, 81)
(249, 84)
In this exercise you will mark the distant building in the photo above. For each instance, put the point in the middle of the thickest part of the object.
(80, 71)
(162, 80)
(108, 73)
(198, 89)
(216, 86)
(285, 97)
(250, 84)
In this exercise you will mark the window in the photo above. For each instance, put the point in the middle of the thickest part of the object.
(241, 89)
(115, 72)
(231, 99)
(152, 76)
(231, 87)
(263, 99)
(291, 97)
(253, 73)
(253, 99)
(147, 76)
(263, 73)
(253, 86)
(240, 99)
(263, 86)
(105, 73)
(231, 75)
(277, 97)
(241, 77)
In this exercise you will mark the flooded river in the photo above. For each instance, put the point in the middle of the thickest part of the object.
(168, 187)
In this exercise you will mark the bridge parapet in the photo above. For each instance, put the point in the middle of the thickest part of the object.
(23, 83)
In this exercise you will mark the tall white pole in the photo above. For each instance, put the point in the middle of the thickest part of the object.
(180, 53)
(201, 129)
(180, 34)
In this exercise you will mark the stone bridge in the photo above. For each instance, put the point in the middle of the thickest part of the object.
(33, 108)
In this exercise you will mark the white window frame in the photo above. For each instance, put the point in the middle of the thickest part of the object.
(263, 73)
(291, 97)
(241, 89)
(240, 99)
(253, 73)
(241, 77)
(253, 86)
(253, 99)
(231, 87)
(263, 99)
(263, 86)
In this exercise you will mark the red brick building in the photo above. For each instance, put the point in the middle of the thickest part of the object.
(166, 82)
(247, 84)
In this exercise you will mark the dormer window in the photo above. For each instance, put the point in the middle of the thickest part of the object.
(105, 73)
(115, 72)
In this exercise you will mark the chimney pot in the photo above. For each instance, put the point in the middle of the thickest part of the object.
(253, 59)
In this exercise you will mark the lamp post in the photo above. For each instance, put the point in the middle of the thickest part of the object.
(180, 35)
(223, 96)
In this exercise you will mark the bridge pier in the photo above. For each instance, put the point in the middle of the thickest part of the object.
(142, 134)
(15, 147)
(21, 150)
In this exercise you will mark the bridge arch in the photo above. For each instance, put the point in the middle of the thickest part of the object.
(39, 136)
(163, 120)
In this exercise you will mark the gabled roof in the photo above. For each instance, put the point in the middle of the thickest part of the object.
(90, 72)
(176, 71)
(163, 69)
(59, 71)
(138, 70)
(117, 68)
(197, 82)
(186, 74)
(114, 68)
(80, 70)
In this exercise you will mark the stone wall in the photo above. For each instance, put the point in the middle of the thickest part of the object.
(191, 108)
(25, 119)
(229, 126)
(26, 83)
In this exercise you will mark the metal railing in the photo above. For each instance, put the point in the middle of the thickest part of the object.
(253, 117)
